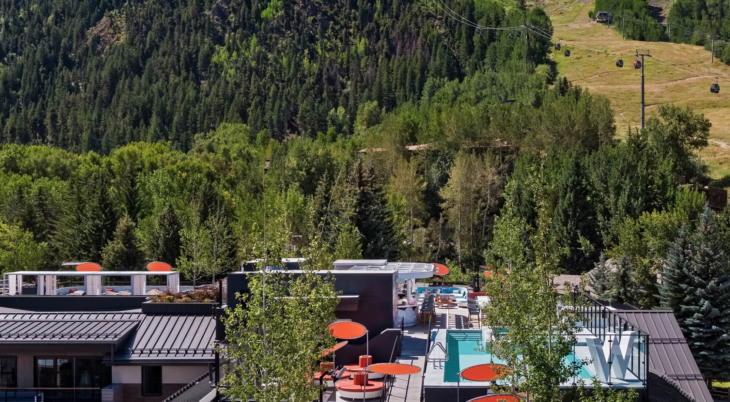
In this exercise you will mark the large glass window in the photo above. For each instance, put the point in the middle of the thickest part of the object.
(151, 380)
(78, 379)
(8, 372)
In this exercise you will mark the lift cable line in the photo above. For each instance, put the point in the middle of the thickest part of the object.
(463, 20)
(528, 28)
(620, 54)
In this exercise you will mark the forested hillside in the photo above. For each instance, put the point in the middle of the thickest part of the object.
(90, 75)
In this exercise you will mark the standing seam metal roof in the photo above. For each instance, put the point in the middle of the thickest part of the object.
(67, 327)
(669, 354)
(179, 337)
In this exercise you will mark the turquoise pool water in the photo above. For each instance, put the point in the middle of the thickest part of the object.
(441, 289)
(466, 349)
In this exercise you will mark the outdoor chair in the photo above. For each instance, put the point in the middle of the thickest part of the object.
(444, 302)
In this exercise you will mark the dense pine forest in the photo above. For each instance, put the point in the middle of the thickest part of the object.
(92, 76)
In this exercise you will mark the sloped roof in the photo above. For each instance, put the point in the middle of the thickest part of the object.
(182, 338)
(31, 328)
(196, 391)
(669, 355)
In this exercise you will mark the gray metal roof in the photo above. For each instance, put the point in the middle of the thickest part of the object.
(30, 328)
(669, 355)
(197, 391)
(182, 338)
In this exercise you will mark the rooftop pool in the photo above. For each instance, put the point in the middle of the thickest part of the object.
(466, 348)
(460, 294)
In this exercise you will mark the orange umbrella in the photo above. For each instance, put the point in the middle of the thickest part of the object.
(394, 369)
(441, 270)
(347, 330)
(88, 266)
(496, 398)
(481, 373)
(484, 372)
(350, 330)
(334, 348)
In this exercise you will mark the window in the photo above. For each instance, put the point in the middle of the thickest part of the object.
(151, 380)
(54, 372)
(8, 372)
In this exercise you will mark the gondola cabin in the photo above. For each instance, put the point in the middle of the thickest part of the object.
(619, 63)
(715, 88)
(604, 17)
(637, 64)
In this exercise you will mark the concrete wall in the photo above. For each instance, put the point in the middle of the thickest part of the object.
(170, 374)
(182, 374)
(126, 375)
(173, 378)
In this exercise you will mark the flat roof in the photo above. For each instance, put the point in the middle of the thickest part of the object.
(92, 273)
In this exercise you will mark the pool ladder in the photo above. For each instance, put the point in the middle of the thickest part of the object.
(438, 362)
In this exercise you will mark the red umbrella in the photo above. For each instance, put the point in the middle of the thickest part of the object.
(334, 348)
(496, 398)
(394, 369)
(482, 373)
(441, 270)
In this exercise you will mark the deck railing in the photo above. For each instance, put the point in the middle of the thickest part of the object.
(602, 321)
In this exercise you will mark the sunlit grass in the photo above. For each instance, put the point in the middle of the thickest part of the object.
(679, 74)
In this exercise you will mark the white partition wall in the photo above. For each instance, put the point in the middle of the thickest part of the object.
(92, 284)
(173, 282)
(46, 285)
(15, 284)
(139, 284)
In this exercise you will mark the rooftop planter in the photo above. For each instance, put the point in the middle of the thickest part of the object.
(197, 302)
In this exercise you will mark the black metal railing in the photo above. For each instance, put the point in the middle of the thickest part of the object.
(602, 321)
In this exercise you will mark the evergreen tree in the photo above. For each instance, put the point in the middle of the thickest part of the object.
(573, 220)
(370, 215)
(123, 253)
(675, 268)
(348, 244)
(163, 243)
(707, 302)
(623, 285)
(99, 219)
(600, 279)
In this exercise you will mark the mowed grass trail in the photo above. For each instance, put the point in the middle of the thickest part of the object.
(677, 73)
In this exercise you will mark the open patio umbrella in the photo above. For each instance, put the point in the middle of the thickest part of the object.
(481, 373)
(441, 270)
(394, 369)
(351, 330)
(496, 398)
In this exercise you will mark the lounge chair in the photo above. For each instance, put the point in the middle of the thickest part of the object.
(444, 301)
(124, 293)
(110, 293)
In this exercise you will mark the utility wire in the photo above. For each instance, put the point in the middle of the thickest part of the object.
(456, 16)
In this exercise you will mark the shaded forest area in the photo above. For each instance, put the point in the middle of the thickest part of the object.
(95, 75)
